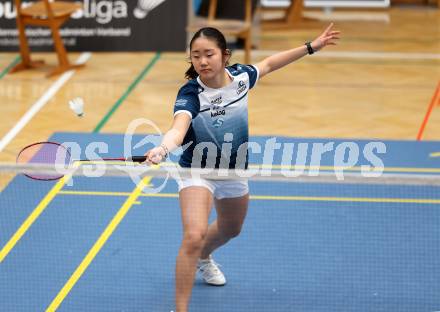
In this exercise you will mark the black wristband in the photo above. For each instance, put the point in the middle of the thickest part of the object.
(309, 48)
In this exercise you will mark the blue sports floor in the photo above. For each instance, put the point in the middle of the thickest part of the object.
(97, 245)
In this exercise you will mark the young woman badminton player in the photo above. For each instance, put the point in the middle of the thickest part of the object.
(210, 111)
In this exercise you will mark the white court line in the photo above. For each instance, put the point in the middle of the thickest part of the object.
(41, 102)
(364, 55)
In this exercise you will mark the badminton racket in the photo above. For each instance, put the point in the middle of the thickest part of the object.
(52, 153)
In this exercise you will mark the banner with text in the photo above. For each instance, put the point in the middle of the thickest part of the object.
(106, 25)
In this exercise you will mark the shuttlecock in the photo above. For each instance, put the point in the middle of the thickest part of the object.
(145, 6)
(77, 105)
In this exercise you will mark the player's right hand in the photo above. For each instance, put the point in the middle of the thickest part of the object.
(155, 155)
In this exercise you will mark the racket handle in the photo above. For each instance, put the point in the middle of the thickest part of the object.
(138, 159)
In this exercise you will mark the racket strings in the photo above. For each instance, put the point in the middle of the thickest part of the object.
(44, 153)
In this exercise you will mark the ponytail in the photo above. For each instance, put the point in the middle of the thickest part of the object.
(191, 73)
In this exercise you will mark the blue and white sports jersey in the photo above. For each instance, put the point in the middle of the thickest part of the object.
(218, 134)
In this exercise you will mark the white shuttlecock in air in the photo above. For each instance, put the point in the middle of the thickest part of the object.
(77, 105)
(145, 6)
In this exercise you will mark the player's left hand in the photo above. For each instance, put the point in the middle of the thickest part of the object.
(328, 37)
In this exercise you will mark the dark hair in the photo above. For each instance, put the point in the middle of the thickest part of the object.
(212, 34)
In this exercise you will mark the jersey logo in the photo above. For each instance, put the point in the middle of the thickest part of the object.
(217, 110)
(218, 113)
(217, 100)
(181, 102)
(217, 123)
(241, 87)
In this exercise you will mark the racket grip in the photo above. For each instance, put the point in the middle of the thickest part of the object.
(138, 159)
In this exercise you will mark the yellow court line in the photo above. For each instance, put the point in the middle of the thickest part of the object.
(98, 245)
(97, 193)
(351, 199)
(94, 193)
(285, 198)
(436, 154)
(32, 217)
(356, 168)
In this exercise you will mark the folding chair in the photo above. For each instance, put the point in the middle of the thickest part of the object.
(45, 13)
(292, 16)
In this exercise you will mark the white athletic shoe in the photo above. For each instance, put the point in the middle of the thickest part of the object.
(211, 272)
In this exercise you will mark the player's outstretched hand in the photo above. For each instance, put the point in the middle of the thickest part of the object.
(328, 37)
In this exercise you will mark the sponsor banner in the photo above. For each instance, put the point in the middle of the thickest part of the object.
(106, 25)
